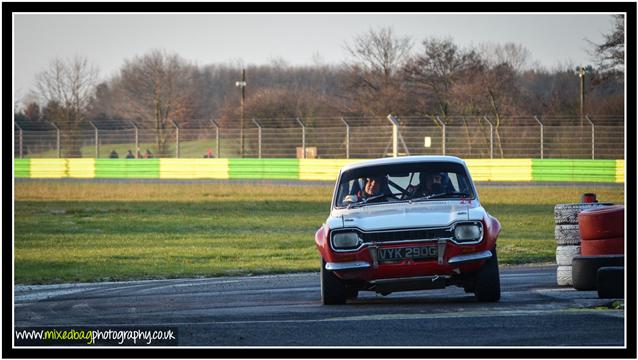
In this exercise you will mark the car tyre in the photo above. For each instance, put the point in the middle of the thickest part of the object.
(352, 293)
(585, 268)
(610, 282)
(488, 283)
(333, 289)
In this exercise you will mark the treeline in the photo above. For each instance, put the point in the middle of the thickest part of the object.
(383, 74)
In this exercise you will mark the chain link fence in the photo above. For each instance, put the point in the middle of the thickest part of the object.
(590, 137)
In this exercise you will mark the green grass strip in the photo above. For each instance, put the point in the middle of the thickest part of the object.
(77, 231)
(573, 170)
(127, 168)
(21, 168)
(263, 169)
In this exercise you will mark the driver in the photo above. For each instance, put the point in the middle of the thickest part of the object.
(429, 184)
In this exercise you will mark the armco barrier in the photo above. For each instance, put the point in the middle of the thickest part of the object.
(520, 170)
(322, 169)
(193, 169)
(574, 170)
(21, 168)
(127, 168)
(620, 171)
(500, 169)
(48, 168)
(263, 169)
(81, 168)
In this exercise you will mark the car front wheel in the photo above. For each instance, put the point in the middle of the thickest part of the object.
(333, 289)
(488, 283)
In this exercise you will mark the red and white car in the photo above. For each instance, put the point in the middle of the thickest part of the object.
(407, 223)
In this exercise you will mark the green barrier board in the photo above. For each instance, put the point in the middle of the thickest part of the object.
(21, 168)
(263, 169)
(127, 168)
(574, 170)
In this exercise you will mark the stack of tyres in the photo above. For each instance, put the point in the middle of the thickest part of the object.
(567, 236)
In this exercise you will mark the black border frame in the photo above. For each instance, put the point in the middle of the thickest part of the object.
(523, 352)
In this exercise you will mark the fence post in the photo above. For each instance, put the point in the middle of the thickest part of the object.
(303, 138)
(491, 137)
(258, 136)
(593, 136)
(216, 137)
(57, 145)
(395, 135)
(97, 139)
(176, 139)
(347, 138)
(137, 143)
(541, 124)
(442, 134)
(19, 139)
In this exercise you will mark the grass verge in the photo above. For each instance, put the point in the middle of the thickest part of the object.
(68, 232)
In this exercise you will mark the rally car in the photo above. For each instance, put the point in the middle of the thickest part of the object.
(407, 223)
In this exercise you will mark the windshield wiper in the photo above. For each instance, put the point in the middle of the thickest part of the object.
(444, 194)
(365, 201)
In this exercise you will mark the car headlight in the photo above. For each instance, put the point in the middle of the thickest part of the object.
(467, 232)
(347, 240)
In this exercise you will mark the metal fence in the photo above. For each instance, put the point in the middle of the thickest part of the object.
(591, 137)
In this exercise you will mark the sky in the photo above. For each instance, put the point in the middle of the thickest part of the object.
(107, 40)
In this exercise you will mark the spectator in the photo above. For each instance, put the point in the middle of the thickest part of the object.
(113, 155)
(138, 153)
(130, 155)
(148, 154)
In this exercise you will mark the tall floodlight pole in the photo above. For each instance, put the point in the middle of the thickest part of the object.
(581, 74)
(242, 85)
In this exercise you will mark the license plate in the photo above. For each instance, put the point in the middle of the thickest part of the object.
(402, 253)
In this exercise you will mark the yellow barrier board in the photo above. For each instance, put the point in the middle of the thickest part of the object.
(48, 168)
(500, 169)
(322, 169)
(193, 168)
(620, 171)
(81, 168)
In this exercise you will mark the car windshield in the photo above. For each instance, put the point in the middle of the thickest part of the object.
(403, 182)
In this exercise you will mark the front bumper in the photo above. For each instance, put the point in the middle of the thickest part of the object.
(454, 260)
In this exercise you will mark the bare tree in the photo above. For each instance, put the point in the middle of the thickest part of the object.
(32, 112)
(373, 82)
(71, 85)
(610, 55)
(432, 73)
(156, 90)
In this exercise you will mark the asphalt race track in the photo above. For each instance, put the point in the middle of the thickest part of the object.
(285, 310)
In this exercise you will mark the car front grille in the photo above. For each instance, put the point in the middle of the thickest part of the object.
(400, 235)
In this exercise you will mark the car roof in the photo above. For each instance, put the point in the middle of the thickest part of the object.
(402, 160)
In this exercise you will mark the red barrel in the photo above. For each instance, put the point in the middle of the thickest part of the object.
(602, 223)
(589, 198)
(595, 247)
(602, 231)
